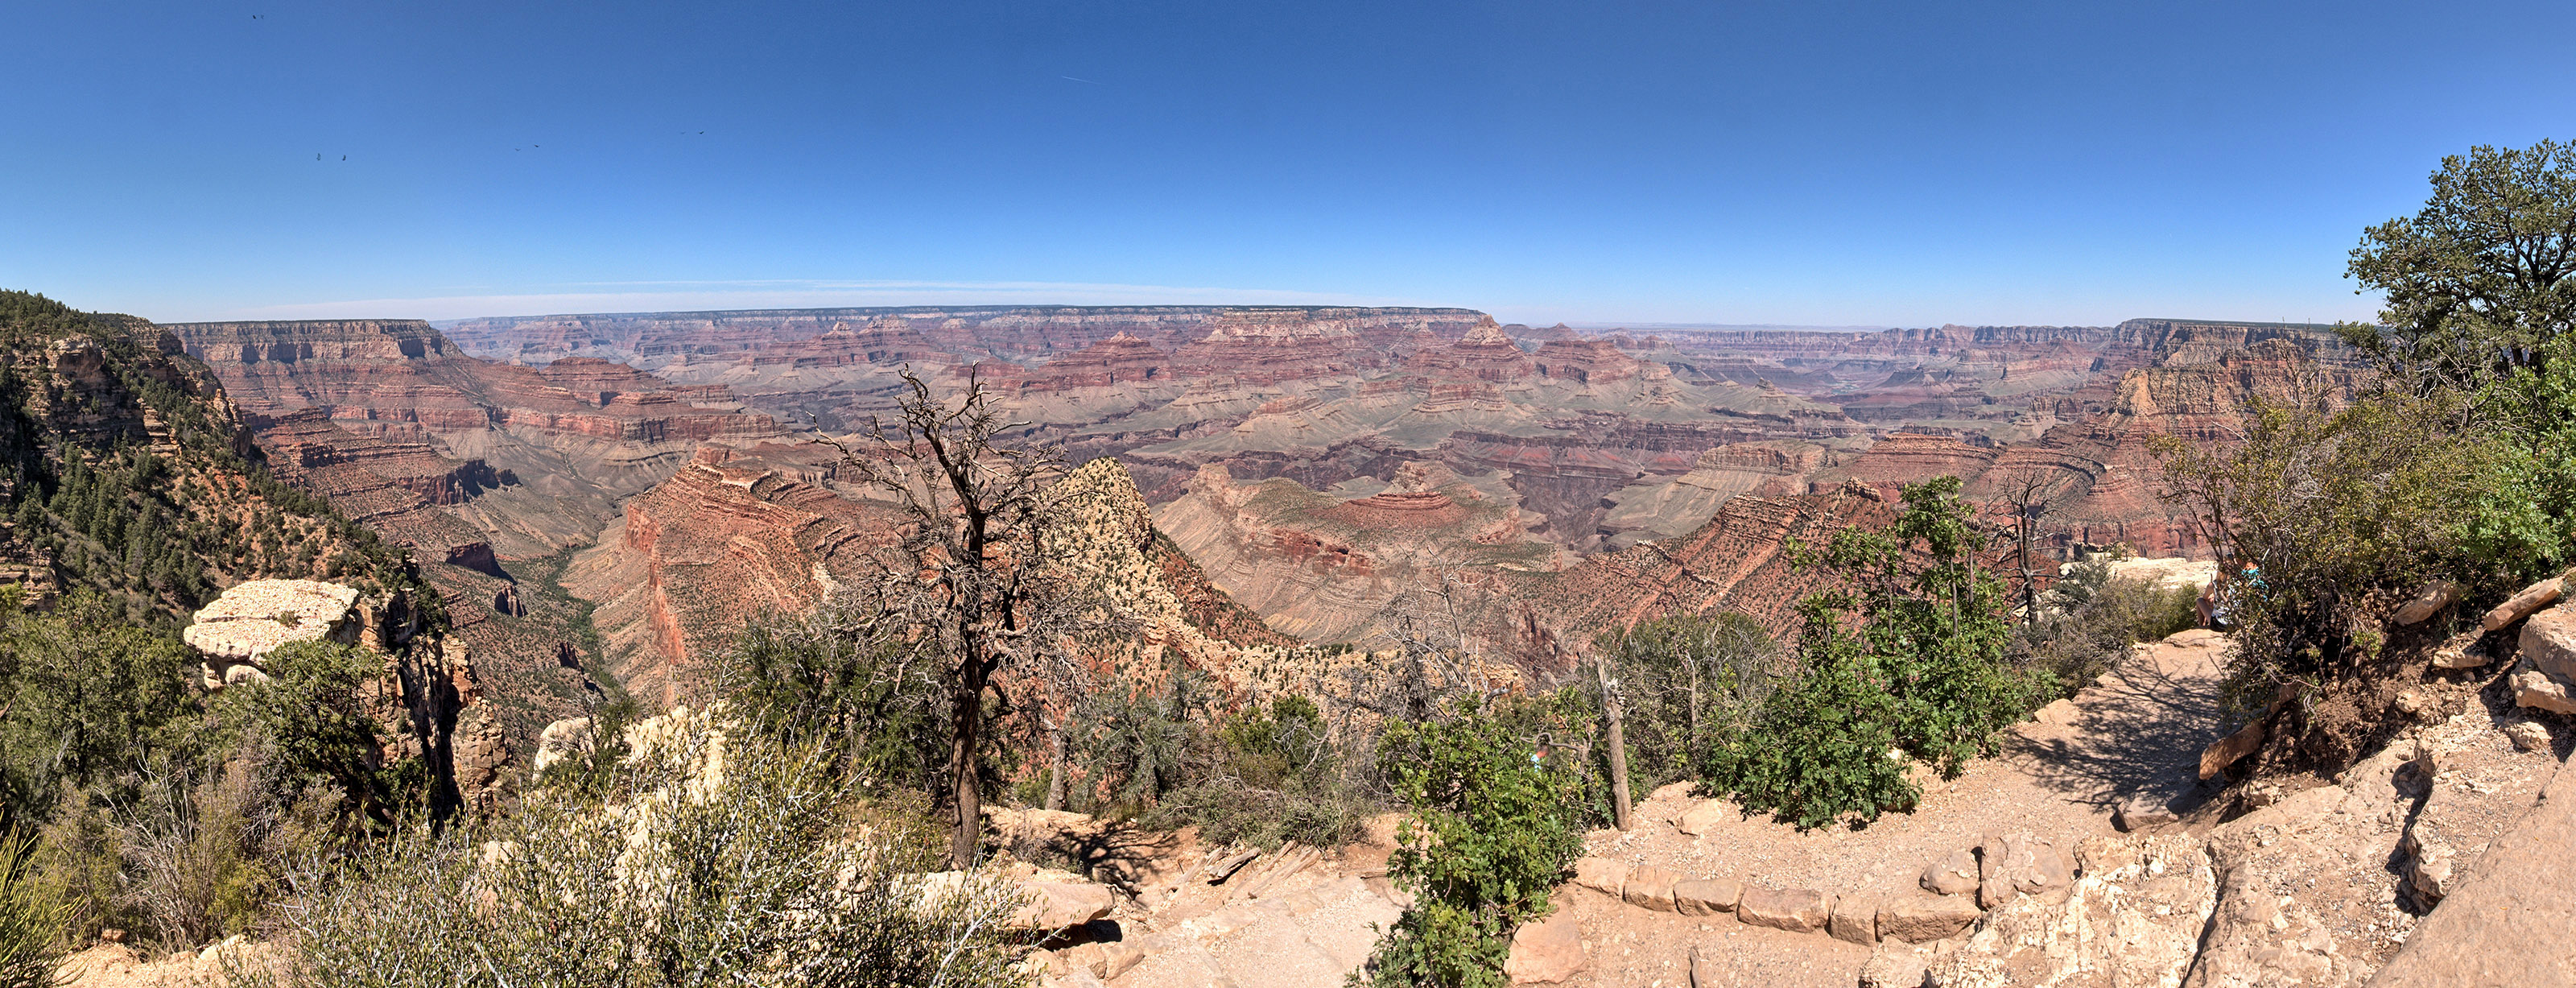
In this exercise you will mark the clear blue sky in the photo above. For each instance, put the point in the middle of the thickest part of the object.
(1815, 163)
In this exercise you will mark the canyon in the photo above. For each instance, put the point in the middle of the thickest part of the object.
(601, 498)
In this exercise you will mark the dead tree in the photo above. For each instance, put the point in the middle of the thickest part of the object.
(2030, 496)
(1612, 711)
(967, 575)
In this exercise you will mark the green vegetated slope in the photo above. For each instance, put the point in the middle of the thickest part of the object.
(130, 476)
(130, 497)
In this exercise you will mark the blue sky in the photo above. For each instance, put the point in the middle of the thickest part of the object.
(1801, 163)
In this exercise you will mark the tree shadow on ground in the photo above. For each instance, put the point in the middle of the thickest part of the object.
(1116, 853)
(2139, 731)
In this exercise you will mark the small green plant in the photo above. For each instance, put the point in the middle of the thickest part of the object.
(1494, 825)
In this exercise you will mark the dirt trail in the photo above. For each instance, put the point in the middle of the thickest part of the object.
(2136, 733)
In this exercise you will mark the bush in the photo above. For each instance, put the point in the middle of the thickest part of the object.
(2325, 520)
(1909, 661)
(31, 919)
(838, 678)
(2088, 621)
(716, 856)
(1276, 776)
(87, 694)
(1685, 680)
(1494, 827)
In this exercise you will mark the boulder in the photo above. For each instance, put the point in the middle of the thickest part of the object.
(2142, 811)
(2537, 691)
(2549, 642)
(2522, 605)
(241, 673)
(2529, 736)
(255, 617)
(2135, 918)
(1952, 875)
(1706, 817)
(1892, 966)
(1924, 918)
(1054, 905)
(1118, 955)
(1547, 951)
(2515, 925)
(2017, 864)
(1707, 896)
(1854, 920)
(2434, 597)
(1794, 910)
(1603, 875)
(561, 740)
(1650, 887)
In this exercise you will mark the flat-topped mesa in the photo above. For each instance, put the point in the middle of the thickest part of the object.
(1585, 361)
(886, 340)
(403, 371)
(1118, 360)
(1771, 457)
(1910, 458)
(307, 340)
(2188, 341)
(1486, 354)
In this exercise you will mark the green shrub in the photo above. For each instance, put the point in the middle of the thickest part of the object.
(1908, 661)
(839, 678)
(1493, 828)
(1275, 776)
(2325, 520)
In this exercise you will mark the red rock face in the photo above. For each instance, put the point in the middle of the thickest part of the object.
(1398, 509)
(1261, 348)
(405, 371)
(1484, 355)
(1584, 361)
(304, 445)
(736, 533)
(1120, 359)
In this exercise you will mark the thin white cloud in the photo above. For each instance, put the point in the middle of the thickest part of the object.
(686, 296)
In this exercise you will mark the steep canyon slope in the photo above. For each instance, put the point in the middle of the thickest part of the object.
(1272, 440)
(492, 473)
